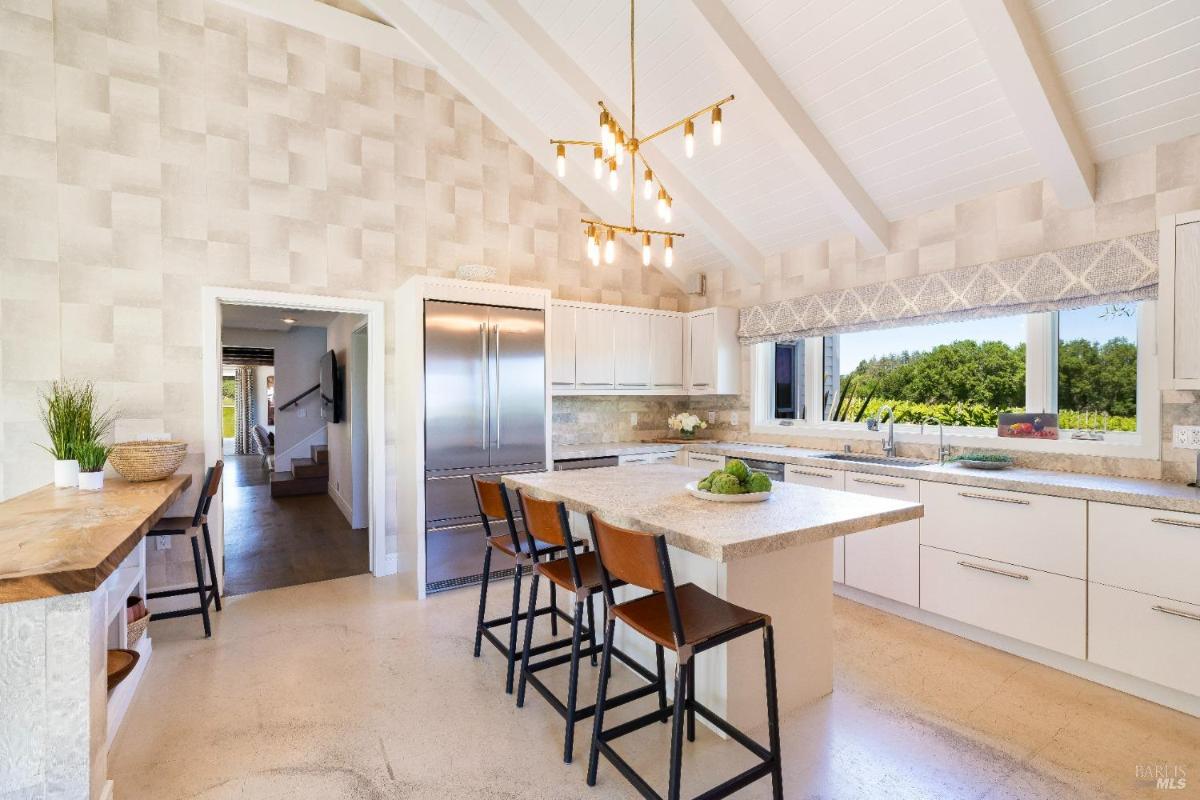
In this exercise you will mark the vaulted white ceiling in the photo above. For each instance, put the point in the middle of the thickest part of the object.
(902, 98)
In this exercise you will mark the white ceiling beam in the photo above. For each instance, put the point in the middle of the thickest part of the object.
(1010, 39)
(505, 115)
(511, 16)
(792, 126)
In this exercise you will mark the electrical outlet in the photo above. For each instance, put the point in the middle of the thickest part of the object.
(712, 417)
(302, 412)
(733, 418)
(633, 419)
(1185, 437)
(162, 542)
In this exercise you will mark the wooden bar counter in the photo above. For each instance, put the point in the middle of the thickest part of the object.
(68, 561)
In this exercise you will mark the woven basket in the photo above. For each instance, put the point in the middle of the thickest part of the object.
(137, 629)
(147, 461)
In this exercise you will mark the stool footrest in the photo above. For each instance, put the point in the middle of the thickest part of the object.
(586, 711)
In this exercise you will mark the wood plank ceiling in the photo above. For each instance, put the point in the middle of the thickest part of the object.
(902, 91)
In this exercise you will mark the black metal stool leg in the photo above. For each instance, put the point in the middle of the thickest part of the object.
(572, 683)
(483, 587)
(773, 714)
(691, 700)
(200, 586)
(553, 605)
(681, 690)
(512, 629)
(212, 567)
(591, 619)
(662, 681)
(601, 699)
(529, 620)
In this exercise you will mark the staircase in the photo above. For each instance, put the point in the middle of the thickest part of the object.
(308, 475)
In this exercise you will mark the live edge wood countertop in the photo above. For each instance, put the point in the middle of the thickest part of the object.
(65, 541)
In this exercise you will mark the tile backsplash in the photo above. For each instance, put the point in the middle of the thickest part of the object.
(584, 420)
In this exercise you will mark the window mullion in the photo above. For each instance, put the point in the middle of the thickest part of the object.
(1041, 363)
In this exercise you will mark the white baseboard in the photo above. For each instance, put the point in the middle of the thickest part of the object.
(343, 506)
(389, 566)
(1155, 693)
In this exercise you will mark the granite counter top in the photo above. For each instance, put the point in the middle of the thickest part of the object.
(652, 498)
(1099, 488)
(566, 452)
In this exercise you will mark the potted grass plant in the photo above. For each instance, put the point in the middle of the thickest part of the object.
(69, 413)
(91, 457)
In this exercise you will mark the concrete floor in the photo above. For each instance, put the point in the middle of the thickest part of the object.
(347, 689)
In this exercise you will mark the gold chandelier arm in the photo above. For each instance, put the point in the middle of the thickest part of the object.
(675, 125)
(630, 229)
(575, 142)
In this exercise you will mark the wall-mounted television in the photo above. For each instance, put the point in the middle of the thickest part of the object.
(331, 389)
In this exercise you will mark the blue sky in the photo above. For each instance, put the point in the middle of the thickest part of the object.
(1083, 323)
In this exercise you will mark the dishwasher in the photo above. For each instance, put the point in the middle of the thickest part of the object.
(773, 469)
(585, 463)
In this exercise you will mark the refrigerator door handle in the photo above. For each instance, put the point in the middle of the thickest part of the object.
(497, 386)
(483, 386)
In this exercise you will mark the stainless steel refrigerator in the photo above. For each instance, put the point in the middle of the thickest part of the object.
(485, 413)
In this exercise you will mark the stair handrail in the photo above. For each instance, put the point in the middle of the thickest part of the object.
(299, 397)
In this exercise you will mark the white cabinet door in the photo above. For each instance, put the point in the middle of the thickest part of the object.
(1150, 551)
(821, 478)
(666, 361)
(594, 365)
(705, 461)
(631, 336)
(701, 359)
(646, 458)
(886, 561)
(1146, 636)
(562, 345)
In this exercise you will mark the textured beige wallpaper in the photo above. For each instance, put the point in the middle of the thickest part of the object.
(150, 148)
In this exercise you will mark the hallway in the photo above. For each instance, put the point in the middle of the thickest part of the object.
(275, 542)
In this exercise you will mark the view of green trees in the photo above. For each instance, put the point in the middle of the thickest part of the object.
(970, 383)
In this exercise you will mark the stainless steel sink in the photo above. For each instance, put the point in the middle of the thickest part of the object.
(864, 458)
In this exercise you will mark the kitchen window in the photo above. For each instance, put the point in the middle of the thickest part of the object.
(1094, 366)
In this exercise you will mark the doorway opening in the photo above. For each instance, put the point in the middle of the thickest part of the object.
(297, 417)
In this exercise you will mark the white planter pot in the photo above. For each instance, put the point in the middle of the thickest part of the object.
(66, 473)
(91, 481)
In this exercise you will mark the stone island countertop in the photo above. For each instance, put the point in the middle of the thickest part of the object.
(64, 541)
(652, 498)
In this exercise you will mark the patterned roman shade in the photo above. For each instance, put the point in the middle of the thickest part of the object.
(1119, 270)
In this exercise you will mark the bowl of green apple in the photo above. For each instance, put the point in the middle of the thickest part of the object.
(735, 483)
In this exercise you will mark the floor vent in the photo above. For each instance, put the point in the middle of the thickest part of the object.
(468, 580)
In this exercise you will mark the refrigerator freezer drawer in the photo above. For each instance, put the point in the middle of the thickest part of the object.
(451, 495)
(454, 557)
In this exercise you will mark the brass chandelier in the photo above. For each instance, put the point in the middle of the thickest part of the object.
(609, 155)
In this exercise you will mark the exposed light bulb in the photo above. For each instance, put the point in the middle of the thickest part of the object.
(648, 185)
(689, 138)
(610, 247)
(667, 213)
(669, 251)
(620, 147)
(561, 160)
(645, 249)
(612, 174)
(716, 126)
(598, 164)
(592, 245)
(604, 132)
(595, 256)
(662, 203)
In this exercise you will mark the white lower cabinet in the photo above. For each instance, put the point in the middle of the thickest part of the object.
(646, 458)
(885, 561)
(1145, 636)
(821, 478)
(1037, 607)
(1145, 550)
(705, 461)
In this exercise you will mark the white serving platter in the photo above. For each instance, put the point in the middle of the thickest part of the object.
(752, 497)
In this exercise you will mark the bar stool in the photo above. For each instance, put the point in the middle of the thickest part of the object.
(578, 574)
(688, 620)
(195, 527)
(494, 506)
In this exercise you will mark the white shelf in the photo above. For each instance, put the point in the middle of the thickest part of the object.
(124, 582)
(120, 697)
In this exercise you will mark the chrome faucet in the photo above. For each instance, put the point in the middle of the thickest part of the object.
(889, 441)
(943, 451)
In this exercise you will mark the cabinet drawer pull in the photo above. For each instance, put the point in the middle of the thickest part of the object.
(1175, 612)
(594, 383)
(812, 474)
(1178, 522)
(993, 570)
(892, 484)
(994, 499)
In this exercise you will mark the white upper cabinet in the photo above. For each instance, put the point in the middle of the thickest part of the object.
(562, 345)
(632, 341)
(1179, 301)
(713, 354)
(594, 343)
(666, 351)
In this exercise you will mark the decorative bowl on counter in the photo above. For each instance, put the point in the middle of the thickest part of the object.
(983, 461)
(147, 460)
(745, 497)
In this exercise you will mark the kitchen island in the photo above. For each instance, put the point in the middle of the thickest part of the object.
(68, 561)
(775, 557)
